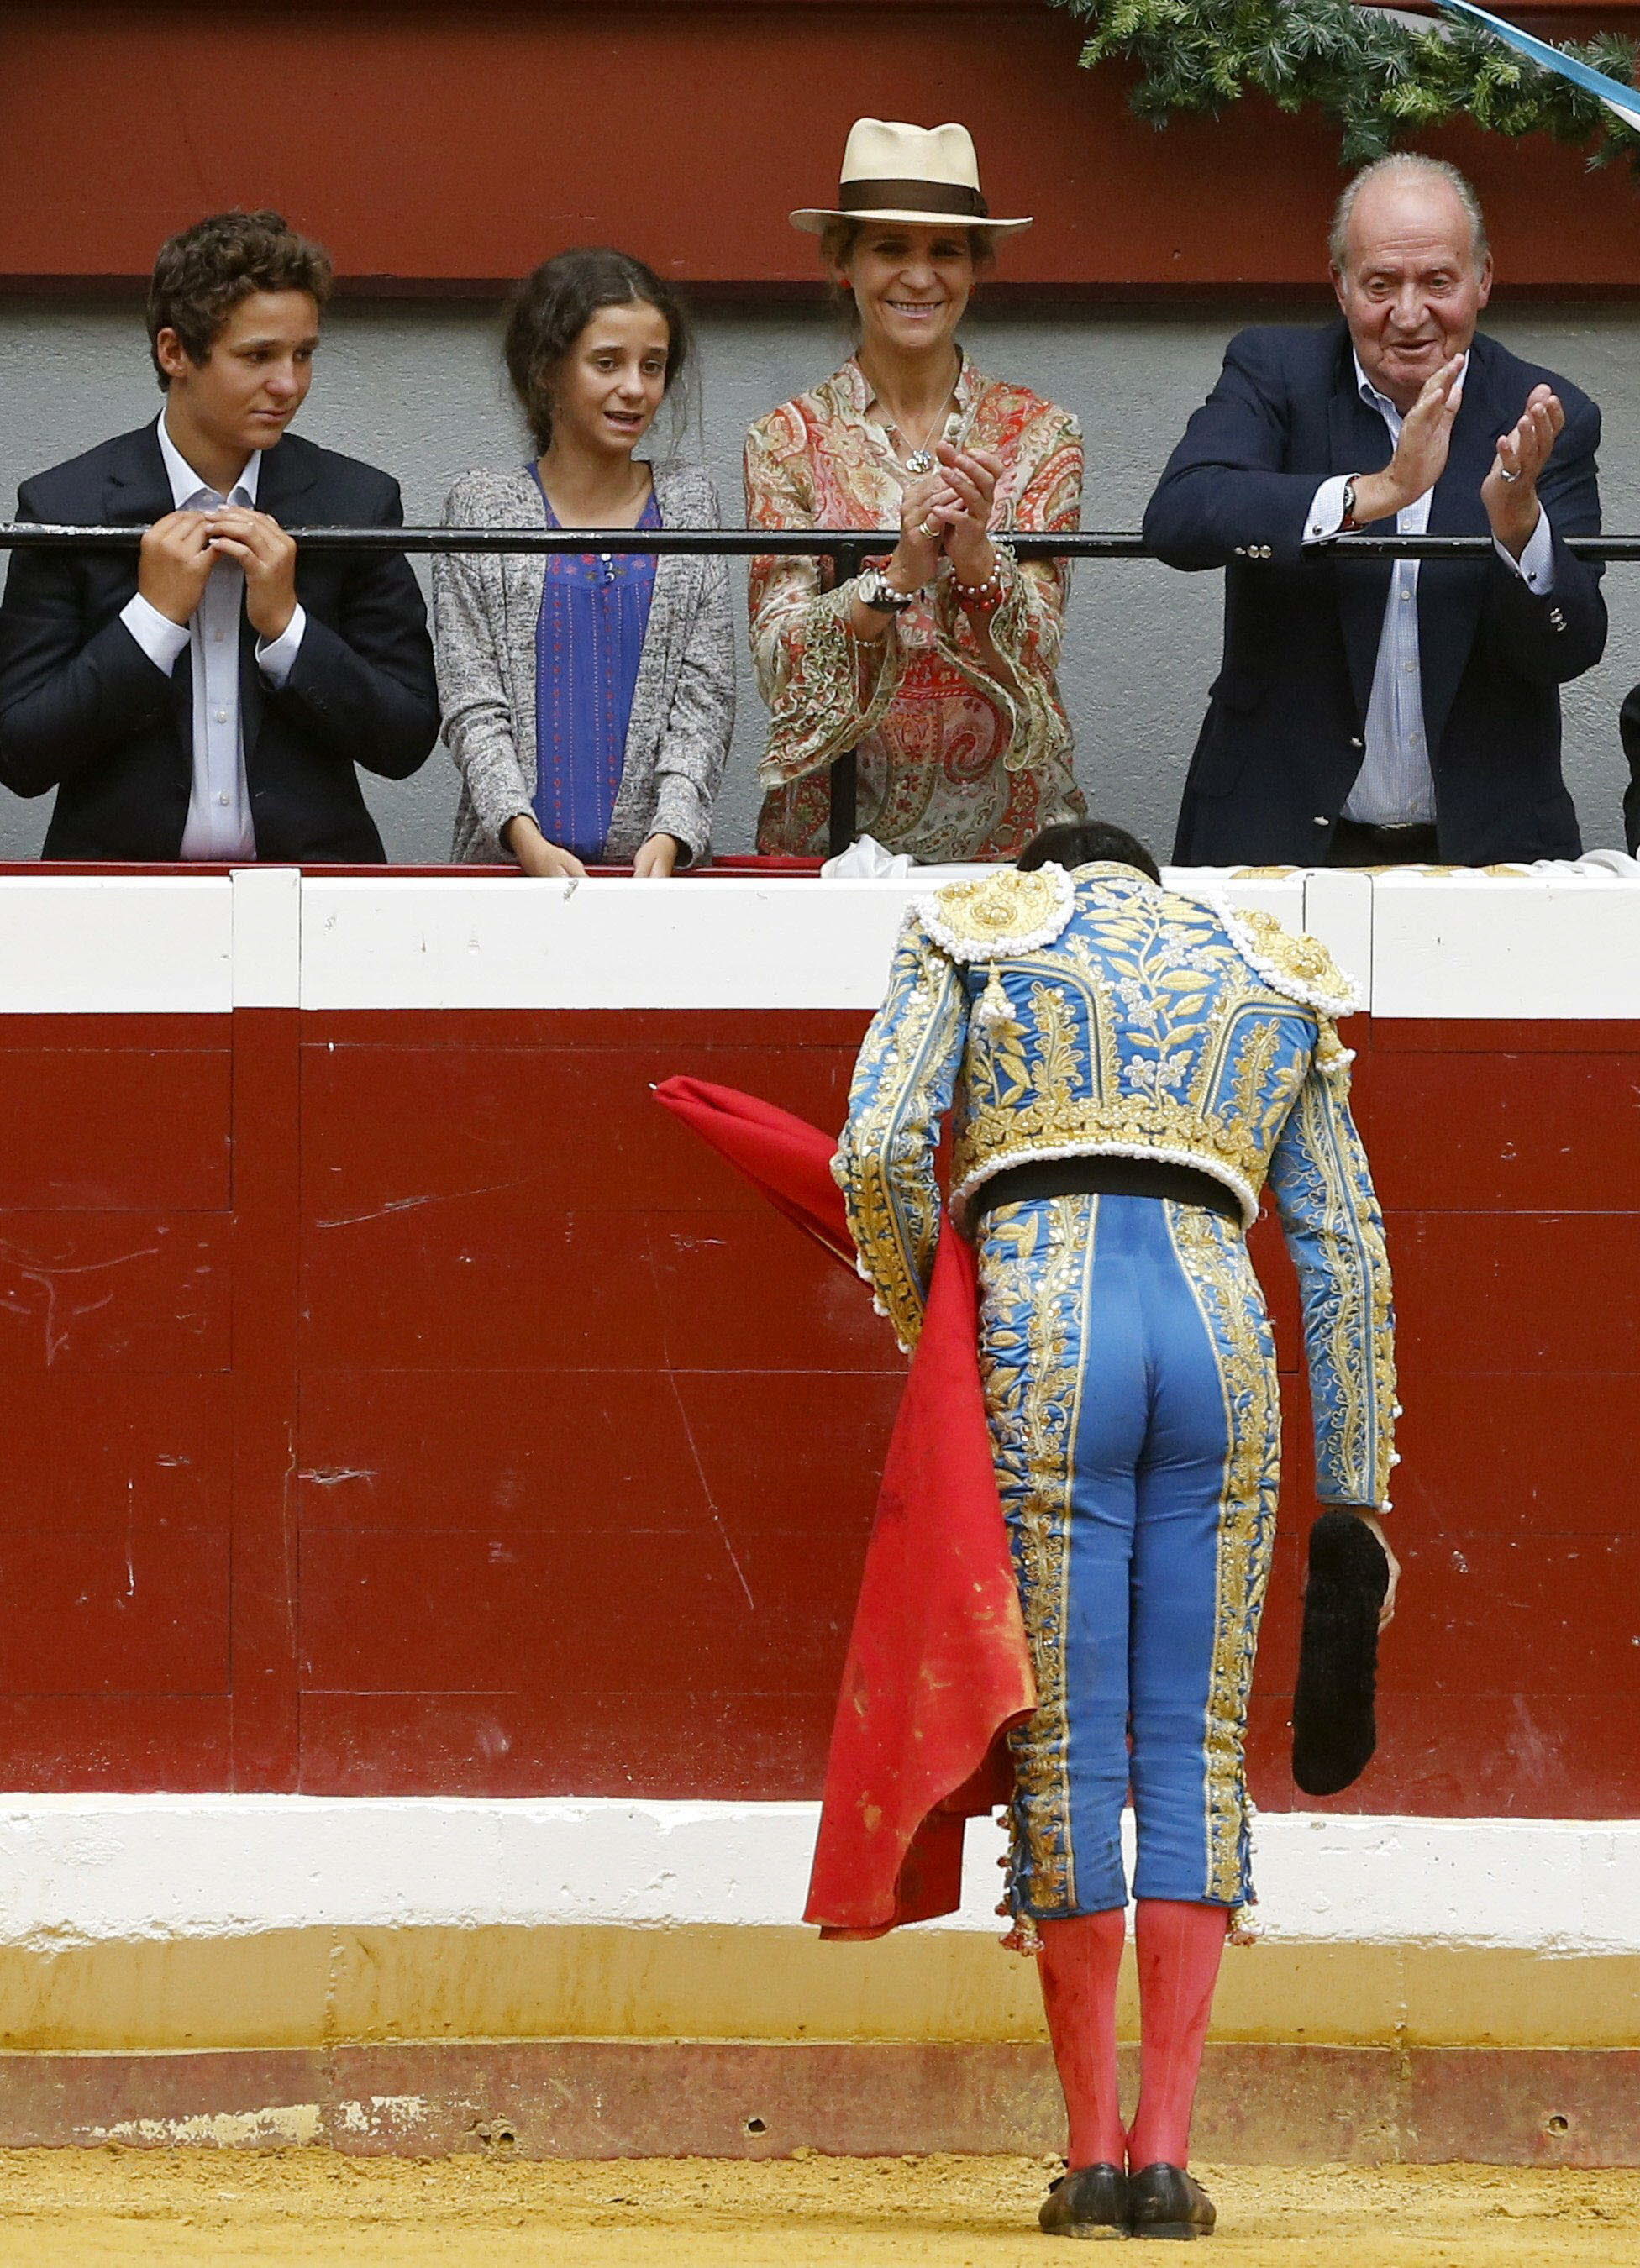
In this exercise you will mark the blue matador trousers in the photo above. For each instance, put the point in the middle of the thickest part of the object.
(1130, 1384)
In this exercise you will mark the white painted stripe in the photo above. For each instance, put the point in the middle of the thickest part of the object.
(266, 936)
(1338, 909)
(85, 1869)
(1506, 945)
(116, 945)
(728, 942)
(1560, 942)
(445, 942)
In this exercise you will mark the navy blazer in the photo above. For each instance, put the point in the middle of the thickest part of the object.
(1283, 738)
(1629, 728)
(83, 709)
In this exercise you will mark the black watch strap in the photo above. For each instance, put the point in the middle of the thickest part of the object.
(877, 591)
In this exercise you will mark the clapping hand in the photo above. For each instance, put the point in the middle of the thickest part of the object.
(963, 507)
(1420, 457)
(922, 533)
(944, 515)
(1509, 490)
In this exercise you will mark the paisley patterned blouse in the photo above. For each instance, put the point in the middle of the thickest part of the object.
(955, 762)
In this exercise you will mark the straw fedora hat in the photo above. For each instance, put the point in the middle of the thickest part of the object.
(920, 173)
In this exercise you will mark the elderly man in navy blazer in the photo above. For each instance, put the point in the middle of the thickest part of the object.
(1370, 713)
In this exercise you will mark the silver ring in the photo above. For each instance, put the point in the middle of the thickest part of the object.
(1503, 474)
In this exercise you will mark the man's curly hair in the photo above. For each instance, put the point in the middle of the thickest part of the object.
(204, 272)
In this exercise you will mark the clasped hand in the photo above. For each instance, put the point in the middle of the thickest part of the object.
(179, 552)
(947, 514)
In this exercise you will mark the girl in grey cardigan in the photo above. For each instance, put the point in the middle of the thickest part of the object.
(587, 699)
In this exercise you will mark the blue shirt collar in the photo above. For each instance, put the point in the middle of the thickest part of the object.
(1381, 403)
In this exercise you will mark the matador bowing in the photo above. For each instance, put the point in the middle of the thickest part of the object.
(1128, 1067)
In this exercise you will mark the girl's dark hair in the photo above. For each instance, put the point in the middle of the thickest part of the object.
(549, 309)
(203, 272)
(1086, 842)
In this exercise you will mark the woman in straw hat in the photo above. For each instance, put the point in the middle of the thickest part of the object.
(937, 664)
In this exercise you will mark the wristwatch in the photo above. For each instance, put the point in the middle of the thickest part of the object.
(876, 590)
(1348, 522)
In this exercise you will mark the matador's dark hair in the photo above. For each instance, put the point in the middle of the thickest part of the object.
(1085, 843)
(205, 271)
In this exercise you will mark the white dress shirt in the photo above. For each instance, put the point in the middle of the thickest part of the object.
(220, 825)
(1395, 786)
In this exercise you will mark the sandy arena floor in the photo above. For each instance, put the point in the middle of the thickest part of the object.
(307, 2209)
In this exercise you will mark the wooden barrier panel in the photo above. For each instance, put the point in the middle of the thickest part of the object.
(400, 1403)
(436, 148)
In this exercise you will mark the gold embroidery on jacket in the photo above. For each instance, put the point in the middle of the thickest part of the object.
(1004, 912)
(996, 1135)
(1116, 1038)
(1355, 1320)
(884, 1163)
(1296, 956)
(1144, 1029)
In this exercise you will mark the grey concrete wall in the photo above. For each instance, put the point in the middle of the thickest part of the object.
(417, 388)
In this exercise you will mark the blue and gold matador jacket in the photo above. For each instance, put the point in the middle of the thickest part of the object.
(1097, 1013)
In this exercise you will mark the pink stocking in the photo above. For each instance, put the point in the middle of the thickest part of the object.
(1180, 1947)
(1079, 1963)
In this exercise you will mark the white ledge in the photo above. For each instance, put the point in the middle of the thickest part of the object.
(86, 1869)
(1553, 941)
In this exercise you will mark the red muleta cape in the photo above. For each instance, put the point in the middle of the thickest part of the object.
(938, 1670)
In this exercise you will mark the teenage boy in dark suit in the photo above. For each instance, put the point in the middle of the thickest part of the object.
(209, 697)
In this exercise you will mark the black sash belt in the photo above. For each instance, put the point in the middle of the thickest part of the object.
(1108, 1177)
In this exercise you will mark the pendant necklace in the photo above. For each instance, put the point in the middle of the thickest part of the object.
(922, 458)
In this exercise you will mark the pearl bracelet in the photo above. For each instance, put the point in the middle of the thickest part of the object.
(980, 598)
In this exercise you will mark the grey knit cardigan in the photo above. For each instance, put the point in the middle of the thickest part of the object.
(486, 608)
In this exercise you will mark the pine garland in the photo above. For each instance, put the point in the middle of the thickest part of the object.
(1379, 78)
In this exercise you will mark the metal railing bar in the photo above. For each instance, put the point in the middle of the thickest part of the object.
(847, 549)
(843, 773)
(747, 542)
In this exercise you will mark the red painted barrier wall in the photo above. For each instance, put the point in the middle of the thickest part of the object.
(400, 1403)
(439, 147)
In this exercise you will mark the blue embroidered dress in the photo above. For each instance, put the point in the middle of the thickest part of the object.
(589, 640)
(1126, 1360)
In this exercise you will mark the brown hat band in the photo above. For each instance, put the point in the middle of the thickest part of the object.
(911, 196)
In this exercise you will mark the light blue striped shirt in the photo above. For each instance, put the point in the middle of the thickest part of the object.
(220, 825)
(1394, 786)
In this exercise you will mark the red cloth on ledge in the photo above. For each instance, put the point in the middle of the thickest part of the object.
(938, 1670)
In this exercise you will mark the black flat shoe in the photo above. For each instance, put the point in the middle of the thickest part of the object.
(1091, 2202)
(1165, 2201)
